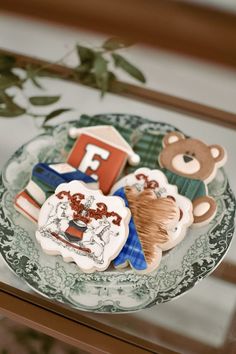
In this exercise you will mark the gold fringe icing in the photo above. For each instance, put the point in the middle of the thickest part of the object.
(153, 217)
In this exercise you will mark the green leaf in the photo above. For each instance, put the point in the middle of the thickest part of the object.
(124, 64)
(36, 83)
(101, 73)
(114, 43)
(84, 68)
(112, 76)
(100, 65)
(8, 108)
(9, 79)
(6, 62)
(55, 113)
(88, 79)
(86, 55)
(43, 100)
(31, 75)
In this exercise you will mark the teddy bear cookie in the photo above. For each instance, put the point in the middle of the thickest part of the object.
(192, 165)
(160, 218)
(83, 226)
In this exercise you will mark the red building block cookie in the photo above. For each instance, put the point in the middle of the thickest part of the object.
(101, 152)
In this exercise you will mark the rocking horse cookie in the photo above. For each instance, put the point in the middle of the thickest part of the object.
(192, 165)
(160, 218)
(83, 226)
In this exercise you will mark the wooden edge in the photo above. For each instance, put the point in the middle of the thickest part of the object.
(188, 28)
(134, 92)
(226, 271)
(69, 331)
(81, 317)
(229, 346)
(62, 328)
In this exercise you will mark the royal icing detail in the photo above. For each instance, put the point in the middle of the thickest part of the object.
(83, 226)
(101, 152)
(191, 165)
(44, 180)
(151, 220)
(156, 184)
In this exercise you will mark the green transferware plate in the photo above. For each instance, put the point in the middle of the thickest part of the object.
(113, 290)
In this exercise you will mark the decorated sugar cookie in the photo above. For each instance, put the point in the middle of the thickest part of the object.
(102, 153)
(167, 200)
(83, 226)
(191, 165)
(152, 219)
(44, 180)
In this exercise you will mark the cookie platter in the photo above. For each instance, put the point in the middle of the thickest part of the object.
(153, 229)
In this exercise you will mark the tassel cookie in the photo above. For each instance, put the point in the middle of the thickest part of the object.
(83, 226)
(160, 218)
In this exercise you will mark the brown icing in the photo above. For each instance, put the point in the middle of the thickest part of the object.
(78, 207)
(153, 217)
(147, 183)
(205, 157)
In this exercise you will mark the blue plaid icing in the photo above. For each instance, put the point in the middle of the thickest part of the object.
(132, 250)
(51, 179)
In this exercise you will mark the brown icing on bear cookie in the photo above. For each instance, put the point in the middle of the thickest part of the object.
(191, 165)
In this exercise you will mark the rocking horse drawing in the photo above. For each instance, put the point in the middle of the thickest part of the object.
(81, 222)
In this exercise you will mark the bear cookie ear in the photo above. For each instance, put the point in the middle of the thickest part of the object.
(219, 154)
(172, 137)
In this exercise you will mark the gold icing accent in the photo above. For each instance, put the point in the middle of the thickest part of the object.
(153, 217)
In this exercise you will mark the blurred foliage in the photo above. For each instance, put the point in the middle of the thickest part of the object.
(94, 69)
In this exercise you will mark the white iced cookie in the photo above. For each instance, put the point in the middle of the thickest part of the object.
(145, 178)
(83, 226)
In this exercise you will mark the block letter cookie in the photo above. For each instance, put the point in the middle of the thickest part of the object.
(101, 152)
(191, 165)
(155, 181)
(83, 226)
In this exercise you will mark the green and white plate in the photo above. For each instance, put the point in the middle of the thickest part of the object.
(113, 290)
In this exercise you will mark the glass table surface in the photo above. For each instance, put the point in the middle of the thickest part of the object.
(203, 319)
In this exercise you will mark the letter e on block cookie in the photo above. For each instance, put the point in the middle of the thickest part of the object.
(101, 152)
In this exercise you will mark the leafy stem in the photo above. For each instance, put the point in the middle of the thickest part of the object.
(95, 68)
